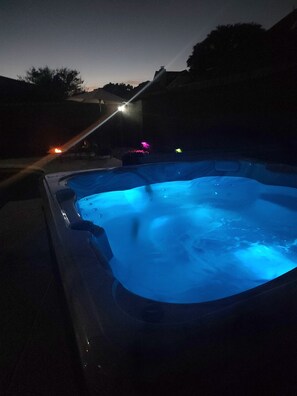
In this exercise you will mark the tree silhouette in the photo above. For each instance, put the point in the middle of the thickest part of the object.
(123, 90)
(55, 84)
(140, 87)
(229, 49)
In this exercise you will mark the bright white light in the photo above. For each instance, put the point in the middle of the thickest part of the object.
(122, 108)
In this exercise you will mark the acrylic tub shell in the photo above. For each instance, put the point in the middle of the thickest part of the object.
(113, 326)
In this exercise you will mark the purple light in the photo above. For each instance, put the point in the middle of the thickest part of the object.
(139, 151)
(146, 145)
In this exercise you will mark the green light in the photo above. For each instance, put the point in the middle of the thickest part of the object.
(178, 150)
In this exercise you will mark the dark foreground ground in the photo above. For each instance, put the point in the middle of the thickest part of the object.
(37, 351)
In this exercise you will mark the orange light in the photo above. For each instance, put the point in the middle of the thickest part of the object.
(55, 150)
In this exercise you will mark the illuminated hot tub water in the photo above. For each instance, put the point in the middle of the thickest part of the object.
(197, 240)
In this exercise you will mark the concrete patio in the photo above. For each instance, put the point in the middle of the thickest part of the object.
(37, 349)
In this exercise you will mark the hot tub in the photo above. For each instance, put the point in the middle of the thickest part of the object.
(155, 256)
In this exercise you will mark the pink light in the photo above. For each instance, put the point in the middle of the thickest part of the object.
(139, 151)
(146, 145)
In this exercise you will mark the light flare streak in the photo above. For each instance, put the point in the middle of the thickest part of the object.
(97, 124)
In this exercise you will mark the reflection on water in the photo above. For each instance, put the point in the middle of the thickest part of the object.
(198, 240)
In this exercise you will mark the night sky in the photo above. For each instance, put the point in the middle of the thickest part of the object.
(117, 40)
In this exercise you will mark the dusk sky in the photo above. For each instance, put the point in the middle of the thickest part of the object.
(117, 40)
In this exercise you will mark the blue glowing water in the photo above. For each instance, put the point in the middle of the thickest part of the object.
(197, 240)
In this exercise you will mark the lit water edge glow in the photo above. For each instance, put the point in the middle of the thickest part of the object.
(197, 240)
